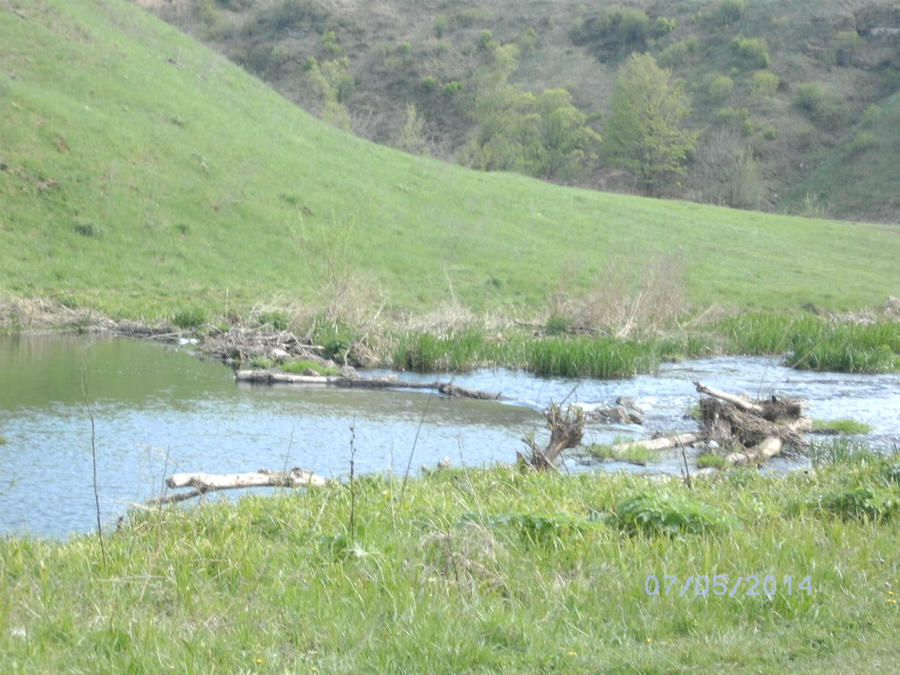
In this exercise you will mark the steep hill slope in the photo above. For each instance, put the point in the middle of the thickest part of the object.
(142, 172)
(777, 86)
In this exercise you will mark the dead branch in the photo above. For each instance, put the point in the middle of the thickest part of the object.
(566, 431)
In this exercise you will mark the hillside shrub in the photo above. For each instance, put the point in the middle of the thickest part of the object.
(752, 51)
(737, 118)
(677, 53)
(764, 84)
(729, 12)
(663, 26)
(818, 104)
(718, 87)
(616, 32)
(871, 115)
(862, 141)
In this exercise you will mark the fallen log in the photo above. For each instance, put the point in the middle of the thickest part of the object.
(736, 401)
(210, 482)
(276, 377)
(662, 442)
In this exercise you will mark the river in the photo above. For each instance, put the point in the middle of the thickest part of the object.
(159, 409)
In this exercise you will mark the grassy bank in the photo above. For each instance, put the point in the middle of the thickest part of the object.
(472, 571)
(124, 141)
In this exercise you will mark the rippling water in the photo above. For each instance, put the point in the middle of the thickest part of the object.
(159, 410)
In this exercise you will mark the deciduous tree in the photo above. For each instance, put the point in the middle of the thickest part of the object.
(644, 132)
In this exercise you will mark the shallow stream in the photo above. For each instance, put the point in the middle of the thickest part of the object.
(158, 410)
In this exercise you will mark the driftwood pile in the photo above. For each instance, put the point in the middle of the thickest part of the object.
(748, 431)
(239, 344)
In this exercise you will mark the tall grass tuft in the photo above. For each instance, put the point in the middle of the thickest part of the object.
(591, 357)
(658, 512)
(852, 348)
(814, 343)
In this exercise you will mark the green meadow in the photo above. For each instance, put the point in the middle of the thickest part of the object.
(144, 175)
(480, 571)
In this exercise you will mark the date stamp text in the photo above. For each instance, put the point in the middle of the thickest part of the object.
(703, 585)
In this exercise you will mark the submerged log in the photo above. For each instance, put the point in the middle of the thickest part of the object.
(276, 377)
(210, 482)
(661, 443)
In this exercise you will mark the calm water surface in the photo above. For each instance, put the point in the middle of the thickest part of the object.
(158, 410)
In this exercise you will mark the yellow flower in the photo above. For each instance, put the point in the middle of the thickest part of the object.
(649, 639)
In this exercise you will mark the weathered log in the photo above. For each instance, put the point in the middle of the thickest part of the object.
(737, 401)
(759, 453)
(662, 442)
(209, 482)
(276, 377)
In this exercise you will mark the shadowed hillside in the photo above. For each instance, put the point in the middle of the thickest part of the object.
(778, 89)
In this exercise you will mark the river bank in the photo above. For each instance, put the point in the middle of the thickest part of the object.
(555, 346)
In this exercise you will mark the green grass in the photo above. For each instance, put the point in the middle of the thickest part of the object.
(815, 343)
(709, 459)
(476, 571)
(302, 366)
(125, 141)
(842, 426)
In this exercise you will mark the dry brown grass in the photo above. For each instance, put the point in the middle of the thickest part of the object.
(625, 302)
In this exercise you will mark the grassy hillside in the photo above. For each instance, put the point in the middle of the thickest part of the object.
(141, 172)
(777, 86)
